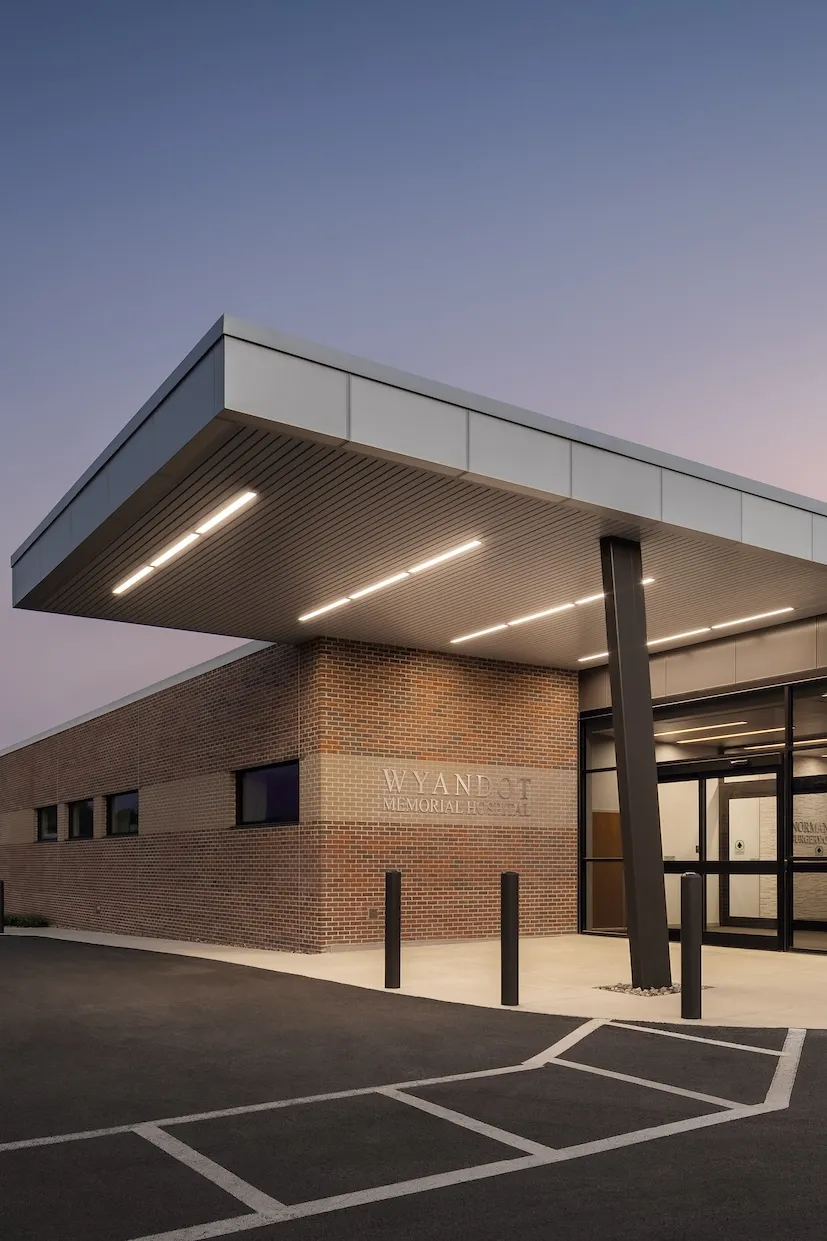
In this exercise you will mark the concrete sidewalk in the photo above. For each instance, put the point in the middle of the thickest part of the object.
(558, 974)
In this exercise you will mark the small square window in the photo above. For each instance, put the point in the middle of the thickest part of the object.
(81, 819)
(267, 795)
(122, 814)
(47, 823)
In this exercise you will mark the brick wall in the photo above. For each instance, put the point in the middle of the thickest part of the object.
(352, 712)
(430, 714)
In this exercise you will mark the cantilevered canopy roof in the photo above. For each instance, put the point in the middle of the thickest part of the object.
(362, 474)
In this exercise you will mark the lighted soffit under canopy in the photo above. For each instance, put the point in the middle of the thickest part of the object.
(360, 476)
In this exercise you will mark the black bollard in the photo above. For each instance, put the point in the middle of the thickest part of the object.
(510, 937)
(691, 928)
(2, 908)
(393, 928)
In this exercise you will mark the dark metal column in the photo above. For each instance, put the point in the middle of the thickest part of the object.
(637, 777)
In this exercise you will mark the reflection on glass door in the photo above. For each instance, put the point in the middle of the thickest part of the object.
(810, 861)
(680, 832)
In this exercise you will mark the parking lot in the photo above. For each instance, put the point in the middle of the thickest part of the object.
(150, 1096)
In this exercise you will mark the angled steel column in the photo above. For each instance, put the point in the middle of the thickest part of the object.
(637, 777)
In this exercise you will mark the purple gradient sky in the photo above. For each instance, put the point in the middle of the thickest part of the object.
(612, 212)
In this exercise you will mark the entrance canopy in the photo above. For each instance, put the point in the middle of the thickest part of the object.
(277, 490)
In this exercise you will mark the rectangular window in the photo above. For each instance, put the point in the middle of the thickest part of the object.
(267, 795)
(47, 823)
(81, 819)
(122, 814)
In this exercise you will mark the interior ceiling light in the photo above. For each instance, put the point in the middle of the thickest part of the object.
(185, 541)
(394, 578)
(691, 633)
(523, 620)
(698, 728)
(751, 732)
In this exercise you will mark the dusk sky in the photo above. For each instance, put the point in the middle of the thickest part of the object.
(610, 211)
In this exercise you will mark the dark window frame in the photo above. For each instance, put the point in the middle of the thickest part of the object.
(41, 836)
(240, 821)
(81, 801)
(110, 799)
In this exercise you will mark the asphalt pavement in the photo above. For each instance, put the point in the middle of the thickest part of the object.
(150, 1096)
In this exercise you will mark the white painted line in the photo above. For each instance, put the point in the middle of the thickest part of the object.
(778, 1098)
(401, 1189)
(696, 1038)
(458, 1077)
(781, 1089)
(468, 1122)
(568, 1040)
(644, 1081)
(219, 1113)
(657, 1131)
(55, 1139)
(550, 1054)
(218, 1228)
(253, 1198)
(466, 1175)
(270, 1106)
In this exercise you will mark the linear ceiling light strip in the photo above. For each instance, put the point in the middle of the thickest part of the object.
(750, 732)
(394, 578)
(186, 540)
(691, 633)
(533, 616)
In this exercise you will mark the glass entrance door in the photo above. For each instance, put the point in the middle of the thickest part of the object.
(809, 865)
(726, 827)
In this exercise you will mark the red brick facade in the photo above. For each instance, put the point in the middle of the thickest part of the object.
(360, 718)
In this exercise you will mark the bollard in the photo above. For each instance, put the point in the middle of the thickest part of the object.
(2, 908)
(393, 927)
(510, 937)
(691, 927)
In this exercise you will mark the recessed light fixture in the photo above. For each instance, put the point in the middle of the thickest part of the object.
(698, 728)
(676, 637)
(751, 732)
(456, 551)
(370, 590)
(185, 541)
(522, 620)
(560, 607)
(175, 550)
(328, 607)
(394, 578)
(122, 587)
(691, 633)
(480, 633)
(241, 501)
(746, 620)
